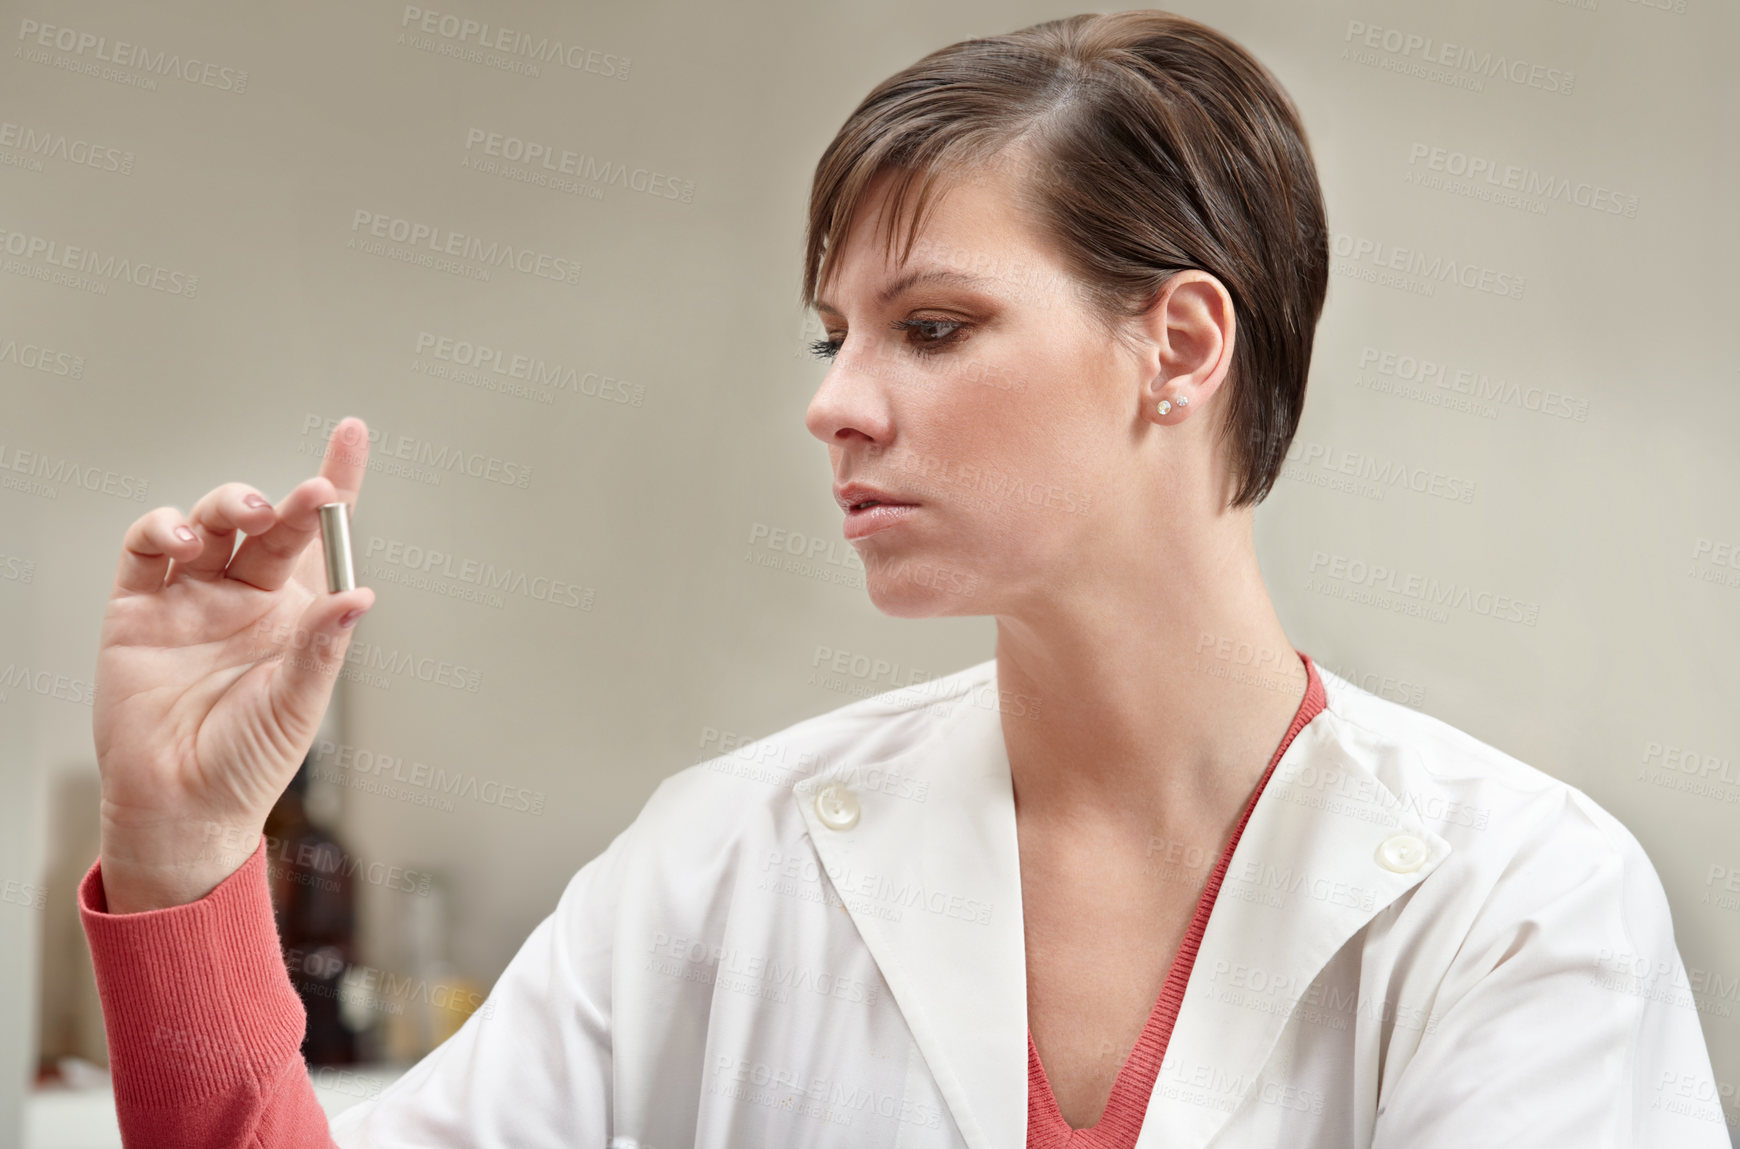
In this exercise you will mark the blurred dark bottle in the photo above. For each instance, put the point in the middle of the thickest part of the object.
(314, 902)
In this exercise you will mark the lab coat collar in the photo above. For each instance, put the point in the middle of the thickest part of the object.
(930, 874)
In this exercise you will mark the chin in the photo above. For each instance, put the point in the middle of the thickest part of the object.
(918, 588)
(906, 604)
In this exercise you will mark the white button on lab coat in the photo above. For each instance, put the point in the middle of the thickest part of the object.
(816, 940)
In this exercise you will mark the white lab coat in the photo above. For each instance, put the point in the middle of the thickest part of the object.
(1420, 943)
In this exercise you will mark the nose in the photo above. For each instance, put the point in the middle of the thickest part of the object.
(850, 404)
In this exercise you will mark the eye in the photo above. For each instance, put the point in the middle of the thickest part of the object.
(930, 342)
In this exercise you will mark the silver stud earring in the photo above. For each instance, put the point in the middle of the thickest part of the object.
(1163, 407)
(1184, 400)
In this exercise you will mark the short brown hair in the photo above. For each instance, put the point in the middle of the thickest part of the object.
(1150, 144)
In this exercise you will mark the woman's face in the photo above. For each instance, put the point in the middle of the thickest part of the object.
(996, 406)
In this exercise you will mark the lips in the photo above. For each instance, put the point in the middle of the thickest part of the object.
(870, 508)
(862, 496)
(869, 517)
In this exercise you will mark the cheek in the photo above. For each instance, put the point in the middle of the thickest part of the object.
(1030, 490)
(1020, 426)
(949, 436)
(989, 410)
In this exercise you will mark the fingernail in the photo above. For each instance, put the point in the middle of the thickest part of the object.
(185, 534)
(349, 617)
(256, 501)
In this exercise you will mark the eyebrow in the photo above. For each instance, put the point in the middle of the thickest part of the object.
(913, 279)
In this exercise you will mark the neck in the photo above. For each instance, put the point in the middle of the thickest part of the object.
(1153, 695)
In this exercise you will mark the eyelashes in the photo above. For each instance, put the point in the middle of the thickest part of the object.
(929, 344)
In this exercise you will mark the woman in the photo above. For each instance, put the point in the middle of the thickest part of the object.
(1148, 876)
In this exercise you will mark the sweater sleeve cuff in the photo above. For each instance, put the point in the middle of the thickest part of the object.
(196, 1000)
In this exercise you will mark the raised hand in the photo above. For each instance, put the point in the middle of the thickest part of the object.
(215, 666)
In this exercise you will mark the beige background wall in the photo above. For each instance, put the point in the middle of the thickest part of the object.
(1573, 429)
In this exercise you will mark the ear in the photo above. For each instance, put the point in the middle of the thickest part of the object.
(1191, 326)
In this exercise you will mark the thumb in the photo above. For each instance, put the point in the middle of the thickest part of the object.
(315, 656)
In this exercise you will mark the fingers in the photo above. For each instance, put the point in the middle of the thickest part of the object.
(216, 518)
(269, 558)
(162, 545)
(347, 459)
(310, 667)
(154, 539)
(343, 466)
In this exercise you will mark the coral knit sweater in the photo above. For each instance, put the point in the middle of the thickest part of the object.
(205, 1030)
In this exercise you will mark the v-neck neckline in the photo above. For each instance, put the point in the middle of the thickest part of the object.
(1120, 1121)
